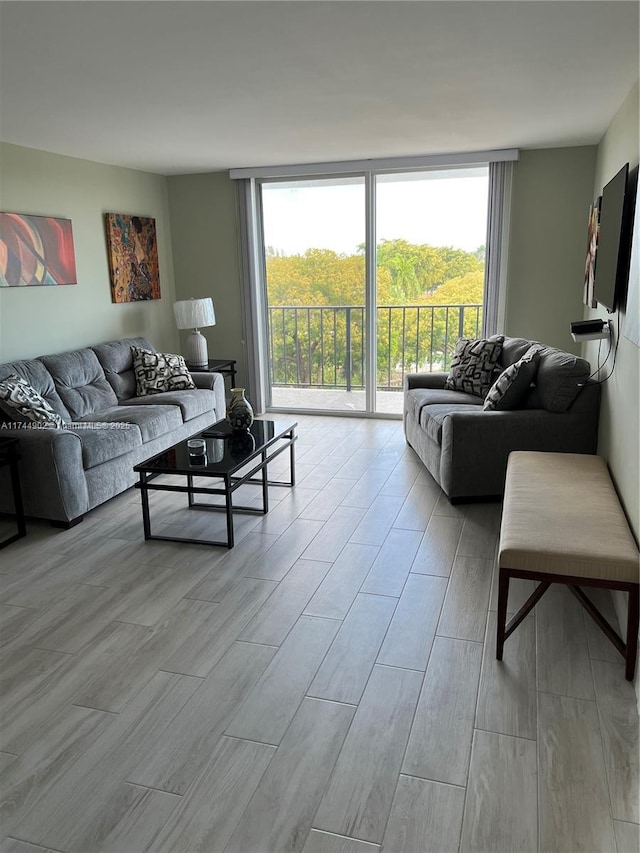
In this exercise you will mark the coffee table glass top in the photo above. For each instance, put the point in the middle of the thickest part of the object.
(227, 450)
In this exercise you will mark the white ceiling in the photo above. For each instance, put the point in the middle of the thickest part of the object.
(179, 87)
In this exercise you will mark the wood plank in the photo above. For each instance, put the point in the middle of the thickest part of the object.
(198, 654)
(322, 507)
(391, 567)
(357, 463)
(413, 627)
(63, 737)
(231, 567)
(507, 701)
(377, 521)
(275, 563)
(501, 806)
(280, 813)
(14, 845)
(438, 547)
(207, 816)
(627, 836)
(464, 614)
(38, 586)
(135, 654)
(418, 506)
(282, 609)
(480, 531)
(358, 799)
(402, 477)
(440, 741)
(267, 711)
(327, 842)
(346, 668)
(573, 801)
(425, 816)
(127, 821)
(278, 519)
(334, 534)
(338, 590)
(69, 809)
(366, 489)
(13, 621)
(616, 701)
(562, 652)
(182, 756)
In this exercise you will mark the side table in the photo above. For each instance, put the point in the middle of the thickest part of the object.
(9, 457)
(225, 366)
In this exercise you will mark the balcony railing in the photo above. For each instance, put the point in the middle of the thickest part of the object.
(313, 346)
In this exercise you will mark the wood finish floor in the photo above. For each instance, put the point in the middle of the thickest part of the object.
(328, 686)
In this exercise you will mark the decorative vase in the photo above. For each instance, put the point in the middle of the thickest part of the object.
(239, 411)
(241, 444)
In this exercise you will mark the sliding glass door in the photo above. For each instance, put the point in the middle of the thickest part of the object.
(314, 262)
(368, 278)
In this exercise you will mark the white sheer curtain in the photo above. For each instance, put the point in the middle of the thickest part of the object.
(497, 247)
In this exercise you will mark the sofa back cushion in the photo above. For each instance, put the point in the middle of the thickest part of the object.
(116, 358)
(559, 377)
(80, 382)
(37, 375)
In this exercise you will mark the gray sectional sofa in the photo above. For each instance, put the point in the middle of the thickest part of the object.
(465, 448)
(66, 472)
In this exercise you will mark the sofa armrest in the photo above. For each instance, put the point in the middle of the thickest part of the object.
(52, 477)
(476, 444)
(213, 382)
(424, 380)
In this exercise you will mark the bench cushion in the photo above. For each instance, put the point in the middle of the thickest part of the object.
(562, 516)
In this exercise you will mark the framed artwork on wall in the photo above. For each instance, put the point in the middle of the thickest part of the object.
(36, 251)
(592, 251)
(133, 257)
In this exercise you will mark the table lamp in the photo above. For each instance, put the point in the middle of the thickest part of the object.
(195, 314)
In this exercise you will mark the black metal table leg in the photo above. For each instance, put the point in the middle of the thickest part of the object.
(144, 494)
(229, 507)
(265, 483)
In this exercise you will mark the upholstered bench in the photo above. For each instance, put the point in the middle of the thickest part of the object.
(562, 523)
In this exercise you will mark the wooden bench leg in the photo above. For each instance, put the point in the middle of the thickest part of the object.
(503, 596)
(632, 633)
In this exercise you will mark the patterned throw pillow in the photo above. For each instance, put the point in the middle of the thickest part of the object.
(157, 372)
(22, 403)
(513, 383)
(472, 365)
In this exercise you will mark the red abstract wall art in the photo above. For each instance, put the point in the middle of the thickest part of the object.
(36, 250)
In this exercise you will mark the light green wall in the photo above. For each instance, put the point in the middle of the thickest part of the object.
(619, 437)
(551, 193)
(204, 228)
(37, 320)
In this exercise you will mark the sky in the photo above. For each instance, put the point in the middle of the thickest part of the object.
(438, 208)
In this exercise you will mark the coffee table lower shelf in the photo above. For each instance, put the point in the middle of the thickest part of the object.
(230, 480)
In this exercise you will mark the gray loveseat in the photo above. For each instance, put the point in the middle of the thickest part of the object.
(66, 472)
(465, 449)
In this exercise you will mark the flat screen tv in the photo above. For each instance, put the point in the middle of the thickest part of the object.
(612, 254)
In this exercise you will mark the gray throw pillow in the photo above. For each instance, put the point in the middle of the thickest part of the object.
(472, 365)
(157, 372)
(22, 403)
(510, 388)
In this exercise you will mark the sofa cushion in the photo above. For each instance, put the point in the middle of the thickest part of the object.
(37, 375)
(80, 382)
(116, 358)
(153, 421)
(559, 379)
(510, 388)
(417, 398)
(21, 402)
(102, 441)
(157, 372)
(432, 418)
(472, 365)
(513, 349)
(192, 402)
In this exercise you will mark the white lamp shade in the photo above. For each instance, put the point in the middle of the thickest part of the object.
(194, 313)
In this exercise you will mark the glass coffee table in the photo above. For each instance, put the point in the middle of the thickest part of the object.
(232, 458)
